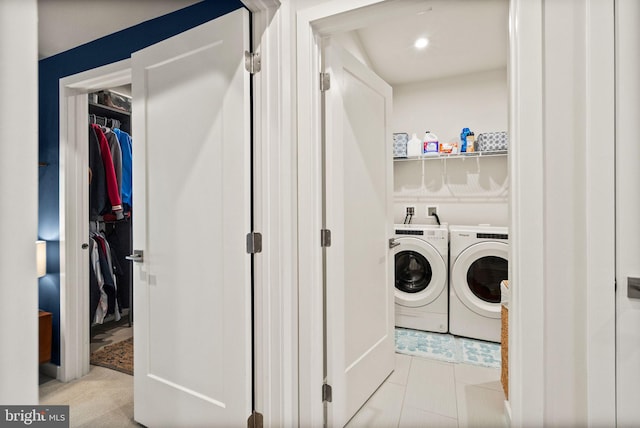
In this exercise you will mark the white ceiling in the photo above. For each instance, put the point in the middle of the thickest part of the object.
(65, 24)
(465, 35)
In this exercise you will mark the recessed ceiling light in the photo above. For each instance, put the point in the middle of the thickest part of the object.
(421, 43)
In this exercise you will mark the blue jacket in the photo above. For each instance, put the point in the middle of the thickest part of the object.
(125, 145)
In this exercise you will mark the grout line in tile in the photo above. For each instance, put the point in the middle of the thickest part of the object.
(479, 385)
(405, 393)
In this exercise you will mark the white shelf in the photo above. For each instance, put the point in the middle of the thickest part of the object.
(440, 156)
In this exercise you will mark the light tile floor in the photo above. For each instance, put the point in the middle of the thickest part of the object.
(103, 398)
(428, 393)
(419, 393)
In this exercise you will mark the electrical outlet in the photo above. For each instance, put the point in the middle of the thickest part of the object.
(431, 210)
(410, 210)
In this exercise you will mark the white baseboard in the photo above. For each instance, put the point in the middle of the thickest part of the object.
(507, 412)
(50, 370)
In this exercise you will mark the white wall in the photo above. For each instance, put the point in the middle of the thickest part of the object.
(351, 42)
(444, 106)
(562, 215)
(564, 171)
(627, 209)
(18, 210)
(466, 191)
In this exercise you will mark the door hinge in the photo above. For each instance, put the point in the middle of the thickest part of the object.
(254, 242)
(325, 238)
(393, 243)
(327, 393)
(255, 420)
(325, 82)
(252, 62)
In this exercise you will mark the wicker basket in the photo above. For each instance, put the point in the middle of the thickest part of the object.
(504, 339)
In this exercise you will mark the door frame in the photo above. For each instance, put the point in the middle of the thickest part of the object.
(286, 162)
(74, 213)
(527, 361)
(274, 163)
(627, 203)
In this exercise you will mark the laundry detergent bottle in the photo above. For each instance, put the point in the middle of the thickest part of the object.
(430, 144)
(463, 139)
(414, 147)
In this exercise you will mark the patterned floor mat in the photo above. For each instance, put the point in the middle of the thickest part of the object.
(445, 347)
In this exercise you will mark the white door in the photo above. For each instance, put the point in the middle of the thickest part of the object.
(191, 212)
(627, 211)
(359, 292)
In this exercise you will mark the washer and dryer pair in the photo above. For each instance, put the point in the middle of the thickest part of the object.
(447, 279)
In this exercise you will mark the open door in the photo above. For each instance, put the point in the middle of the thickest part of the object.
(191, 213)
(358, 211)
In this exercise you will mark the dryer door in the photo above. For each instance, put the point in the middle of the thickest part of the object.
(420, 272)
(476, 275)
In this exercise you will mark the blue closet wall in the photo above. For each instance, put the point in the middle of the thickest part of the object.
(112, 48)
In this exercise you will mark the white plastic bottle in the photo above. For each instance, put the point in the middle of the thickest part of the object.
(414, 147)
(430, 144)
(471, 142)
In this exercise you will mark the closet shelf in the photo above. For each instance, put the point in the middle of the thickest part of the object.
(109, 109)
(453, 156)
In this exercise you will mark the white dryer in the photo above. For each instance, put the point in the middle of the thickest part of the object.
(479, 262)
(420, 280)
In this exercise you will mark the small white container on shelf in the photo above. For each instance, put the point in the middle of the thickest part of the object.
(414, 147)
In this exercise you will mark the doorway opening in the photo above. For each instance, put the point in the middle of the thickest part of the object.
(465, 191)
(111, 228)
(273, 381)
(77, 314)
(192, 215)
(74, 211)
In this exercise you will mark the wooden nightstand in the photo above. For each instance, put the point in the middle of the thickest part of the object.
(45, 320)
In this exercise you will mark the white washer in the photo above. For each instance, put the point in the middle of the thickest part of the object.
(479, 262)
(420, 279)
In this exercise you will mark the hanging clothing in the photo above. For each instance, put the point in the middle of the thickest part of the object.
(100, 311)
(119, 237)
(98, 198)
(94, 287)
(126, 147)
(116, 156)
(109, 284)
(112, 184)
(104, 271)
(110, 162)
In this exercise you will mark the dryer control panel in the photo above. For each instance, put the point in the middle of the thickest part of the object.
(425, 234)
(492, 236)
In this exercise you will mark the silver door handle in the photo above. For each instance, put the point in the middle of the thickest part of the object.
(393, 243)
(633, 288)
(137, 256)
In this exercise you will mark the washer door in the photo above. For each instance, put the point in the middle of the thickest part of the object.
(420, 272)
(476, 275)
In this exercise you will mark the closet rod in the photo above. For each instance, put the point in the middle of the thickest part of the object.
(115, 123)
